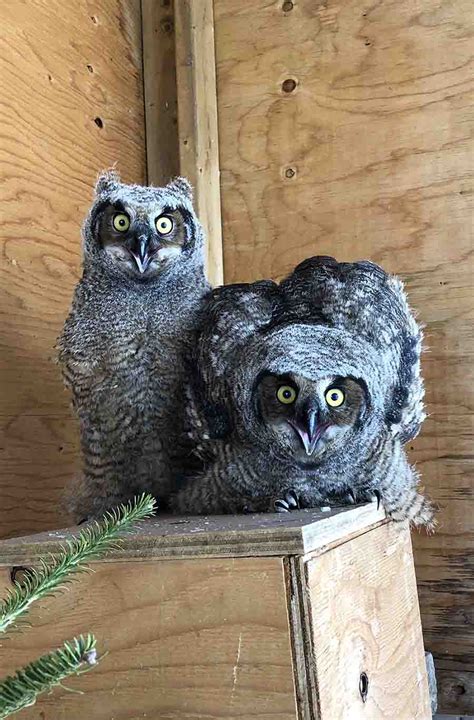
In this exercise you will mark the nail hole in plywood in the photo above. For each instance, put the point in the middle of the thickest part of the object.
(288, 85)
(20, 574)
(167, 25)
(363, 686)
(99, 122)
(287, 6)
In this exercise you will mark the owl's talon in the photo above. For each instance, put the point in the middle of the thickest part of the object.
(281, 506)
(288, 503)
(350, 497)
(292, 500)
(378, 497)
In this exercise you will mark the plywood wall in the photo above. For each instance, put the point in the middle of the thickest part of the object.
(344, 129)
(72, 104)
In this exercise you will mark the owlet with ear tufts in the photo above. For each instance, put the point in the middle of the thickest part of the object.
(306, 393)
(122, 344)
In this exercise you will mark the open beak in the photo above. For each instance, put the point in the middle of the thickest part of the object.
(308, 429)
(139, 252)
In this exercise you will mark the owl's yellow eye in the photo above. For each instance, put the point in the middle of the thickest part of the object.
(121, 222)
(286, 394)
(164, 224)
(335, 397)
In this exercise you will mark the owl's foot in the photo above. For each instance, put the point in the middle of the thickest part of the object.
(288, 503)
(352, 498)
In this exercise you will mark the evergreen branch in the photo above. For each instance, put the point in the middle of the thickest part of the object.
(21, 690)
(91, 543)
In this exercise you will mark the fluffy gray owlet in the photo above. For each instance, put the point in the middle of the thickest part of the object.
(307, 392)
(121, 347)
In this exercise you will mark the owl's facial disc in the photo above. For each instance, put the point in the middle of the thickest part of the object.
(309, 419)
(141, 241)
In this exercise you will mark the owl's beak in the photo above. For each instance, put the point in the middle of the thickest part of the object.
(139, 252)
(308, 429)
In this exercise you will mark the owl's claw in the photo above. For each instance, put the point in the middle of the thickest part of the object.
(288, 503)
(378, 497)
(350, 497)
(293, 500)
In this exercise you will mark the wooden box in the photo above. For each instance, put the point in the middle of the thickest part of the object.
(306, 615)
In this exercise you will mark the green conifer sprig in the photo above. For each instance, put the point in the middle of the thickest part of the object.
(21, 690)
(78, 655)
(52, 575)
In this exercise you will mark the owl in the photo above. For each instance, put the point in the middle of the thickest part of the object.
(306, 393)
(121, 348)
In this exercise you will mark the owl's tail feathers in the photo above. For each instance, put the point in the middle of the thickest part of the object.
(414, 507)
(86, 499)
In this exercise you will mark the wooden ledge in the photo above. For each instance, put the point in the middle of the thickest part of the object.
(296, 533)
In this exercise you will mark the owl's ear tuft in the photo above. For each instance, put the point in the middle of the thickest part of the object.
(181, 186)
(107, 181)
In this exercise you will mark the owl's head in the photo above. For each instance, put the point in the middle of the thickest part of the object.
(141, 232)
(309, 419)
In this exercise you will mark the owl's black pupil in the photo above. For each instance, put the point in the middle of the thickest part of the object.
(335, 396)
(286, 394)
(121, 222)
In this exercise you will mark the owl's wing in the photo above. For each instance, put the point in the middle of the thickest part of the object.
(230, 316)
(370, 304)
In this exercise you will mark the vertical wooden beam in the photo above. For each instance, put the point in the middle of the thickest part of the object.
(159, 79)
(197, 120)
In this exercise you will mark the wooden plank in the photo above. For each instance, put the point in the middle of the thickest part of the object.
(365, 619)
(73, 104)
(446, 593)
(159, 77)
(217, 536)
(300, 628)
(455, 690)
(370, 156)
(201, 639)
(197, 120)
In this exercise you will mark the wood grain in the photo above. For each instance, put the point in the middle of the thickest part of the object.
(191, 639)
(71, 84)
(159, 76)
(365, 618)
(197, 120)
(305, 531)
(456, 691)
(370, 156)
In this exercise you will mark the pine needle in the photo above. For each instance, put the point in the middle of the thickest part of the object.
(91, 543)
(21, 690)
